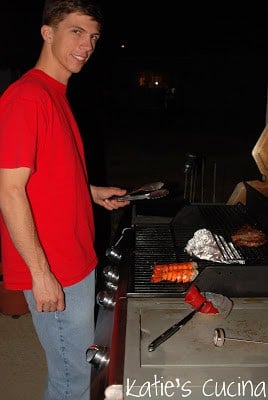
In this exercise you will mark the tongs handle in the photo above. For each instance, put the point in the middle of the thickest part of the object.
(170, 332)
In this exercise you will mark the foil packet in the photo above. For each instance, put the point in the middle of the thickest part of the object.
(208, 246)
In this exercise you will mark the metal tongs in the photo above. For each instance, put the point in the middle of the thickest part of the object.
(148, 191)
(170, 332)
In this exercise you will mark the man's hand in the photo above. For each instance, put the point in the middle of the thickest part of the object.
(102, 196)
(47, 292)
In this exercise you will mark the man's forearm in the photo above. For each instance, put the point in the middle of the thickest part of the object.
(19, 221)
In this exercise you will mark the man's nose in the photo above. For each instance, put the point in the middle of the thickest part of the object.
(87, 44)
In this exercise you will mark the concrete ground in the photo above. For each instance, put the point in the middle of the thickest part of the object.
(22, 361)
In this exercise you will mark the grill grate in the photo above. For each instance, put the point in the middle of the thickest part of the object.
(224, 220)
(153, 244)
(165, 243)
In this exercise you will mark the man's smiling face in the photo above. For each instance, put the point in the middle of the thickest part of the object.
(71, 43)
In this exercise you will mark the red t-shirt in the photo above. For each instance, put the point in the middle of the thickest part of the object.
(38, 130)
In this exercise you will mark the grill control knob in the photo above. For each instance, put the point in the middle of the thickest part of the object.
(111, 286)
(97, 355)
(111, 273)
(114, 254)
(106, 299)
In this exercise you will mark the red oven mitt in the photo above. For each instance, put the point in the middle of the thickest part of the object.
(199, 302)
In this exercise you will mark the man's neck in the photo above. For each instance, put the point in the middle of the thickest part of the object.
(46, 64)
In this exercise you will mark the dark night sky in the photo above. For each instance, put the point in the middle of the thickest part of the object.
(223, 45)
(187, 29)
(179, 29)
(218, 48)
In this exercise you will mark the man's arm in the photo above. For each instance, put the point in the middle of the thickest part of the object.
(16, 211)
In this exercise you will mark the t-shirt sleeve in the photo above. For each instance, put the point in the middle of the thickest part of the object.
(18, 133)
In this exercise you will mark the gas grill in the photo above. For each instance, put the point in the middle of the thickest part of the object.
(133, 311)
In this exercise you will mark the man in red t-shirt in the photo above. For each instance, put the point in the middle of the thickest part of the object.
(47, 227)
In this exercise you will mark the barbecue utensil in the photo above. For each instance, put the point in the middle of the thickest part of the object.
(170, 332)
(219, 338)
(155, 194)
(147, 188)
(114, 253)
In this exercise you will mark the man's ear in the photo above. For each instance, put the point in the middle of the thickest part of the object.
(47, 33)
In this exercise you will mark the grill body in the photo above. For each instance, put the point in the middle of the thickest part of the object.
(143, 309)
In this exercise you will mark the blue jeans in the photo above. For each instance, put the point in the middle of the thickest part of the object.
(65, 337)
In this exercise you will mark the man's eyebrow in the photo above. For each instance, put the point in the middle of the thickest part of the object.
(77, 27)
(84, 30)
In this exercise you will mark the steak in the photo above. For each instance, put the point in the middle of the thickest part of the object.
(248, 236)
